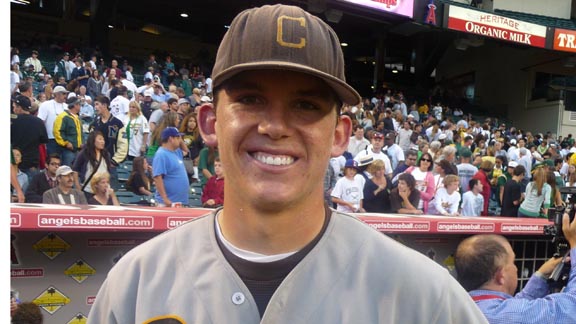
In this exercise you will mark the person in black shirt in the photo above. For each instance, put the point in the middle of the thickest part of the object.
(43, 181)
(376, 189)
(139, 182)
(388, 123)
(405, 198)
(107, 124)
(27, 132)
(103, 193)
(513, 193)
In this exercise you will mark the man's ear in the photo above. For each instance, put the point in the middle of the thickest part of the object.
(207, 124)
(342, 135)
(499, 277)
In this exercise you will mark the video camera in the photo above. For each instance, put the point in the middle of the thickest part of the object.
(561, 272)
(556, 215)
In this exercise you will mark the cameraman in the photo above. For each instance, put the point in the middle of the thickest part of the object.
(486, 269)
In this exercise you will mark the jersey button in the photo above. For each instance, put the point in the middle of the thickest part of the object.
(238, 298)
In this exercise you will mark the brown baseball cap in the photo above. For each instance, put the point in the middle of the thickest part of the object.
(283, 37)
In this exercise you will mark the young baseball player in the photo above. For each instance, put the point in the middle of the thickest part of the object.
(275, 253)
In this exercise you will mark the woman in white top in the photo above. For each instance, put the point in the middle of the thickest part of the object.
(447, 198)
(368, 120)
(106, 87)
(537, 199)
(15, 56)
(442, 168)
(92, 159)
(424, 178)
(15, 77)
(571, 177)
(128, 73)
(397, 120)
(137, 130)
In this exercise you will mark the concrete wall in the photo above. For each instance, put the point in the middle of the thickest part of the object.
(541, 116)
(552, 8)
(567, 124)
(498, 86)
(504, 78)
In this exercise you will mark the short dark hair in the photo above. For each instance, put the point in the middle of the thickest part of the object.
(558, 161)
(25, 86)
(472, 183)
(502, 158)
(519, 170)
(53, 156)
(447, 167)
(171, 101)
(103, 100)
(411, 153)
(409, 179)
(477, 259)
(122, 90)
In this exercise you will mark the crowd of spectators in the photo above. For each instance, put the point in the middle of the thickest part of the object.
(439, 161)
(94, 118)
(416, 158)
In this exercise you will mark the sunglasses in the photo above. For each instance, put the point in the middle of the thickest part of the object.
(425, 160)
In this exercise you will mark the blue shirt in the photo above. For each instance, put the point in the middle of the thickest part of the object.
(78, 72)
(87, 111)
(161, 97)
(395, 154)
(533, 304)
(170, 164)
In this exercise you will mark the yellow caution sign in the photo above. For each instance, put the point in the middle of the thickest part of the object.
(51, 300)
(51, 246)
(79, 271)
(78, 319)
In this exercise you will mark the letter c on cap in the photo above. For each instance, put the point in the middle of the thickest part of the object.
(279, 34)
